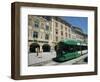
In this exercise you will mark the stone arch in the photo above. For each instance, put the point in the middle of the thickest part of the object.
(46, 48)
(33, 47)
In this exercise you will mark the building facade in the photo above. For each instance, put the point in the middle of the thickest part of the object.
(78, 34)
(39, 31)
(45, 31)
(61, 29)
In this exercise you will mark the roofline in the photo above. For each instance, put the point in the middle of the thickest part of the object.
(62, 20)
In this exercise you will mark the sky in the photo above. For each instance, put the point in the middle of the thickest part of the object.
(81, 22)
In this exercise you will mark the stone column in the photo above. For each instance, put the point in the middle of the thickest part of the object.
(41, 48)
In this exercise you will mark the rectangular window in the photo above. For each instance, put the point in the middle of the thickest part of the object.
(36, 24)
(35, 34)
(66, 34)
(62, 33)
(69, 35)
(69, 30)
(65, 28)
(47, 36)
(42, 25)
(61, 27)
(47, 27)
(56, 31)
(56, 24)
(56, 38)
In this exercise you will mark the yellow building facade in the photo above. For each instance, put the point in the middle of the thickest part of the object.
(45, 31)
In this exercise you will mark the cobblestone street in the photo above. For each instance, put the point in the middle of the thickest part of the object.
(45, 59)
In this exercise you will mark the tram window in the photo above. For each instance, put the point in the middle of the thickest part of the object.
(85, 47)
(70, 48)
(82, 47)
(75, 48)
(78, 48)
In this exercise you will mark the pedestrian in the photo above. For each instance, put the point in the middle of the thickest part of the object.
(37, 51)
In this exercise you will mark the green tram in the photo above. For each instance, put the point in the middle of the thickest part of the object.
(69, 49)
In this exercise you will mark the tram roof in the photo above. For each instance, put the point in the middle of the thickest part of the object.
(73, 42)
